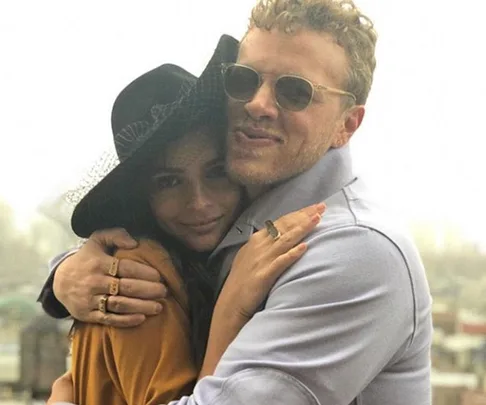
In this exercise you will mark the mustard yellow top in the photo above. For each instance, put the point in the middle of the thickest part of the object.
(150, 364)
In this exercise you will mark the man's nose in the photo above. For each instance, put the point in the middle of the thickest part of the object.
(263, 105)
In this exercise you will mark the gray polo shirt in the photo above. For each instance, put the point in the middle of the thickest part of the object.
(349, 323)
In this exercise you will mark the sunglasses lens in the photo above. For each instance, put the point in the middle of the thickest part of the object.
(293, 93)
(240, 82)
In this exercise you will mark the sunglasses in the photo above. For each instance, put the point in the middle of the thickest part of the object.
(292, 93)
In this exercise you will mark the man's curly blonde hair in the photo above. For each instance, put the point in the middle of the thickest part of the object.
(340, 18)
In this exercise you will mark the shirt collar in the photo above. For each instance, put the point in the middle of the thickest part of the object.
(331, 173)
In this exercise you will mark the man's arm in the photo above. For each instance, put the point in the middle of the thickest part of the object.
(330, 325)
(80, 279)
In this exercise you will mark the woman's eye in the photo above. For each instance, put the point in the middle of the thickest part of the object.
(164, 182)
(217, 172)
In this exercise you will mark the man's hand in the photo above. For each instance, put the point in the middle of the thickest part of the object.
(62, 389)
(81, 281)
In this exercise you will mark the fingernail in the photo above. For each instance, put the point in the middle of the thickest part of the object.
(321, 207)
(130, 244)
(316, 219)
(301, 247)
(158, 308)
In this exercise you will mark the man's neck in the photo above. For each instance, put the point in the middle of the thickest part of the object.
(255, 191)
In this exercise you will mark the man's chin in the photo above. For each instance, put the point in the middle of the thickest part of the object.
(255, 177)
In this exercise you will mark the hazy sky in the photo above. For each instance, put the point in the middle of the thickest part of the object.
(421, 145)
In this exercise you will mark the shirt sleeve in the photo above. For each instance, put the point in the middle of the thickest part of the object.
(48, 300)
(331, 323)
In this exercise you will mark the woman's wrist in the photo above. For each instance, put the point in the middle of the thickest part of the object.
(226, 323)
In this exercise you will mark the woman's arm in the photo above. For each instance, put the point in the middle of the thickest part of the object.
(148, 364)
(256, 268)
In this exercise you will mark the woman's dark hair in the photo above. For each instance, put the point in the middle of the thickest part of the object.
(199, 281)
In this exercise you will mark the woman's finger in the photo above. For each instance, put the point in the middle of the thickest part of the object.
(273, 272)
(291, 237)
(297, 218)
(288, 222)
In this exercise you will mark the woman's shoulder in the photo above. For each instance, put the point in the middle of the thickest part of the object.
(152, 253)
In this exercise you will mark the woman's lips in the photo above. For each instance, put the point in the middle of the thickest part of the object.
(203, 227)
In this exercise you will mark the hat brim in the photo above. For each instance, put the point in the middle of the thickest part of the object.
(108, 204)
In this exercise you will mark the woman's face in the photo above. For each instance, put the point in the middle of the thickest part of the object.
(191, 196)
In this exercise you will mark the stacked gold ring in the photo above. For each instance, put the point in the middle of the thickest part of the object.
(115, 282)
(115, 286)
(113, 270)
(103, 303)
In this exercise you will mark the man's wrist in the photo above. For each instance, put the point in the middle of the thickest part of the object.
(56, 286)
(51, 305)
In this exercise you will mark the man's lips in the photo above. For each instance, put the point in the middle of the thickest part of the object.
(257, 134)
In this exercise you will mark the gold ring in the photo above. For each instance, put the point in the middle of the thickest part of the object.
(272, 230)
(102, 303)
(113, 271)
(114, 286)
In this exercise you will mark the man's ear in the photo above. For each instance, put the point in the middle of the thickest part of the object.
(350, 123)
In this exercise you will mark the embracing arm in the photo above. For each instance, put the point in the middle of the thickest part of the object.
(330, 325)
(79, 279)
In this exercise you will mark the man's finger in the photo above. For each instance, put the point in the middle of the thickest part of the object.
(115, 237)
(146, 290)
(124, 305)
(116, 320)
(130, 269)
(128, 287)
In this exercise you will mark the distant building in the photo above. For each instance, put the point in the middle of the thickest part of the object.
(472, 328)
(446, 321)
(473, 398)
(449, 388)
(460, 349)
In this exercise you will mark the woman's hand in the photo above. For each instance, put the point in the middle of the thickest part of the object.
(256, 268)
(262, 260)
(62, 389)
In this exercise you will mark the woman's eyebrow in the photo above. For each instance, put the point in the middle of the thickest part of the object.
(218, 159)
(166, 170)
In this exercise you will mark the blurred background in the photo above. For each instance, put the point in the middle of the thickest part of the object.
(421, 148)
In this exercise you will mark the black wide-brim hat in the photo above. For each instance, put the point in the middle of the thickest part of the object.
(156, 107)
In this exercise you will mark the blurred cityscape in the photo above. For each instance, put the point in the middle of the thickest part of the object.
(34, 348)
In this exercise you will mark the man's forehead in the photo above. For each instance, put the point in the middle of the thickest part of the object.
(303, 53)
